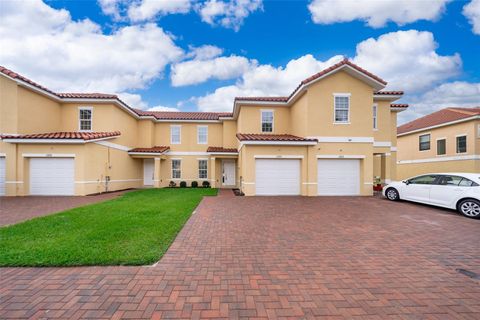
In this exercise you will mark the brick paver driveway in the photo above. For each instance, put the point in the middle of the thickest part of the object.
(17, 209)
(293, 257)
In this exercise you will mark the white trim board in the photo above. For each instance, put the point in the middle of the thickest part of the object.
(340, 156)
(113, 145)
(278, 156)
(186, 153)
(442, 159)
(145, 153)
(382, 143)
(343, 139)
(48, 155)
(279, 143)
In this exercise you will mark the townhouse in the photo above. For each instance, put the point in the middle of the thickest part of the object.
(332, 135)
(445, 141)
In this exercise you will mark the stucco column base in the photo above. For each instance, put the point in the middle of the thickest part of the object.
(213, 170)
(157, 183)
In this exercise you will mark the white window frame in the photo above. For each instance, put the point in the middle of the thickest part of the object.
(80, 109)
(466, 143)
(436, 146)
(375, 116)
(172, 127)
(430, 141)
(344, 95)
(179, 169)
(198, 134)
(262, 112)
(200, 169)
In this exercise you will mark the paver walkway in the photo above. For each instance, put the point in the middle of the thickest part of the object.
(267, 257)
(17, 209)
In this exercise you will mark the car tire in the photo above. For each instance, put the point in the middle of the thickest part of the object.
(392, 194)
(470, 208)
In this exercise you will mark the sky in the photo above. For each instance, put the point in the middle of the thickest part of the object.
(198, 55)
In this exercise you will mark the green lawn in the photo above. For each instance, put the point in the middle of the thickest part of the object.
(134, 229)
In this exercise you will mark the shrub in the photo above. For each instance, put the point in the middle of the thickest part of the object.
(206, 184)
(194, 184)
(183, 184)
(172, 184)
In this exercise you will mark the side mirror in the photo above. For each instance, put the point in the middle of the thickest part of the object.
(406, 182)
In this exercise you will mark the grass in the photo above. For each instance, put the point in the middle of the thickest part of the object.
(134, 229)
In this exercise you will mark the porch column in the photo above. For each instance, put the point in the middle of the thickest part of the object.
(157, 183)
(213, 171)
(386, 168)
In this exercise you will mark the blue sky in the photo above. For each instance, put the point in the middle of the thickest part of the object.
(198, 55)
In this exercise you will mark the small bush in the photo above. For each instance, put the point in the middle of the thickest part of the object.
(206, 184)
(172, 184)
(194, 184)
(183, 184)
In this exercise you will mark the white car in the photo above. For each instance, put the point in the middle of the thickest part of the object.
(459, 191)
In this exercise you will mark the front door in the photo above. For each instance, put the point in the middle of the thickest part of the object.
(228, 172)
(148, 171)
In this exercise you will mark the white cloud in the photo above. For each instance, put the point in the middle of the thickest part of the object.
(198, 71)
(135, 101)
(111, 8)
(162, 108)
(472, 12)
(376, 13)
(68, 55)
(229, 14)
(204, 52)
(264, 80)
(407, 60)
(451, 94)
(149, 9)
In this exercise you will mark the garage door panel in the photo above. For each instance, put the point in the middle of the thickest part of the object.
(2, 176)
(277, 177)
(52, 176)
(338, 177)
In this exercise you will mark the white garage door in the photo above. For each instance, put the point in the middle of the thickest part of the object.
(338, 177)
(2, 176)
(277, 177)
(52, 176)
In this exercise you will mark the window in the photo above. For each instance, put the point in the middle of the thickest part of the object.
(441, 147)
(467, 183)
(374, 116)
(342, 108)
(85, 118)
(267, 121)
(462, 144)
(450, 180)
(202, 134)
(202, 169)
(478, 131)
(424, 142)
(175, 134)
(428, 179)
(176, 168)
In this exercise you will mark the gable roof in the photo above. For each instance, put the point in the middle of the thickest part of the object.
(152, 150)
(72, 136)
(346, 65)
(439, 118)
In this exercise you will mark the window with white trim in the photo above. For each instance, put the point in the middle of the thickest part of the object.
(85, 118)
(202, 169)
(375, 111)
(202, 134)
(441, 147)
(175, 134)
(342, 108)
(424, 142)
(267, 120)
(461, 144)
(176, 168)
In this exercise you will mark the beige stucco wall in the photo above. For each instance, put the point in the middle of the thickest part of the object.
(188, 136)
(249, 119)
(405, 171)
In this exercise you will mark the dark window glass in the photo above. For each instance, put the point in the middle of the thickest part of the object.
(461, 144)
(441, 147)
(428, 179)
(424, 142)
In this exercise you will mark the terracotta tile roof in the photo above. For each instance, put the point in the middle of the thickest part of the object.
(15, 75)
(399, 105)
(390, 93)
(314, 77)
(87, 95)
(75, 135)
(273, 99)
(221, 149)
(172, 115)
(438, 118)
(155, 149)
(270, 137)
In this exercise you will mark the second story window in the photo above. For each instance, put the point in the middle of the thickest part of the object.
(176, 168)
(175, 134)
(267, 120)
(375, 125)
(202, 134)
(342, 108)
(441, 147)
(424, 142)
(85, 118)
(461, 144)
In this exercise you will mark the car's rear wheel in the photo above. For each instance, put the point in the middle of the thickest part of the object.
(392, 194)
(470, 208)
